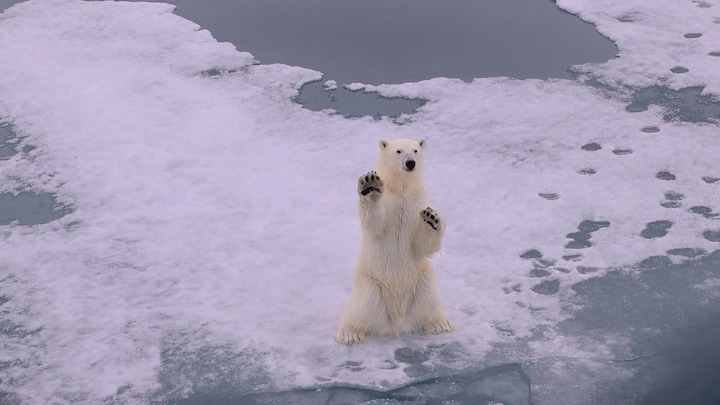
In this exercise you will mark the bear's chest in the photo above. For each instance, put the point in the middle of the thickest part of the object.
(404, 214)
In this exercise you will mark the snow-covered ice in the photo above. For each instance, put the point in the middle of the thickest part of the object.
(213, 230)
(330, 85)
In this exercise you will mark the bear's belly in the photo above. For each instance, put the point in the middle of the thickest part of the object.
(393, 253)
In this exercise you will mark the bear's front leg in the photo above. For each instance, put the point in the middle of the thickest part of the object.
(370, 189)
(370, 186)
(429, 237)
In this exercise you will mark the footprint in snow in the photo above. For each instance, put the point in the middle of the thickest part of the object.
(656, 229)
(702, 4)
(587, 172)
(650, 130)
(672, 199)
(663, 175)
(547, 287)
(591, 147)
(704, 211)
(549, 196)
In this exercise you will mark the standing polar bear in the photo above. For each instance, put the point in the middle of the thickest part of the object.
(395, 290)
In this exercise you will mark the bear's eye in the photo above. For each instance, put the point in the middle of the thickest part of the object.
(399, 151)
(415, 150)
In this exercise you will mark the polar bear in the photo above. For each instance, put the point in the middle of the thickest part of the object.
(395, 290)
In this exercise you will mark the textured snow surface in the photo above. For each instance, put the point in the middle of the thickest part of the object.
(655, 37)
(214, 231)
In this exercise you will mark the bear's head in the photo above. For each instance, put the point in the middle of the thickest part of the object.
(401, 156)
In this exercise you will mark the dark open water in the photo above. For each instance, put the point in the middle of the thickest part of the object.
(380, 41)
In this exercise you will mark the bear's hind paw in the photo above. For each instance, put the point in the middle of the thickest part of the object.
(438, 325)
(348, 336)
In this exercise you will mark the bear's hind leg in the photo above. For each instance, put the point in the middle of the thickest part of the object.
(365, 314)
(427, 314)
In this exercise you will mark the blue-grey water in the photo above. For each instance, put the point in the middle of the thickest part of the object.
(672, 329)
(355, 103)
(687, 104)
(379, 41)
(25, 207)
(7, 3)
(7, 142)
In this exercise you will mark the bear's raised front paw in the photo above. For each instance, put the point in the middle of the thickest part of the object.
(348, 336)
(370, 185)
(431, 218)
(438, 325)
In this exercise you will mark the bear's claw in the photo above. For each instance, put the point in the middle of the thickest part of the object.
(349, 336)
(431, 217)
(438, 325)
(370, 183)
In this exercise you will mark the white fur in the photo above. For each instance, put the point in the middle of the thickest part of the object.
(395, 290)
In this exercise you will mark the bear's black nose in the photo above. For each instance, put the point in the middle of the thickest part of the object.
(410, 164)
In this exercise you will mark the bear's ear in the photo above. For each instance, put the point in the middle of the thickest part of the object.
(383, 144)
(422, 143)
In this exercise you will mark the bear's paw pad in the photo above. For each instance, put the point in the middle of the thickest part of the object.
(431, 217)
(370, 184)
